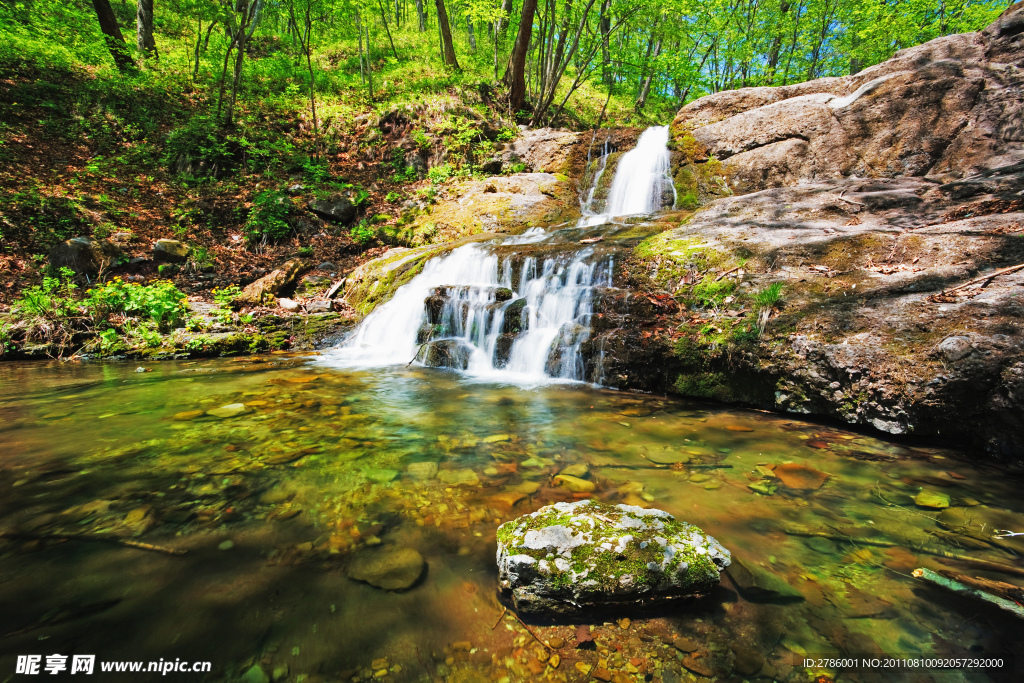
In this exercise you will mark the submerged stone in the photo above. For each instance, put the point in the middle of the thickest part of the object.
(932, 500)
(393, 569)
(570, 558)
(797, 476)
(230, 410)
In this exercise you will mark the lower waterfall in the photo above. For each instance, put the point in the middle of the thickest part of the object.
(514, 308)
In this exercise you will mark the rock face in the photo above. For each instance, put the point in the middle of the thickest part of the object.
(280, 281)
(876, 202)
(544, 150)
(570, 558)
(506, 204)
(84, 255)
(945, 109)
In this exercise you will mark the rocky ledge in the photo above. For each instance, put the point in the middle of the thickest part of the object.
(568, 559)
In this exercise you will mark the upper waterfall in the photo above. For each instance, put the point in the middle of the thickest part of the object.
(515, 308)
(640, 180)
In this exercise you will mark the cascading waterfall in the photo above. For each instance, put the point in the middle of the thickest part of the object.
(514, 308)
(640, 180)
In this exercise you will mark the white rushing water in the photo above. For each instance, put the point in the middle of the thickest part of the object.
(641, 178)
(518, 317)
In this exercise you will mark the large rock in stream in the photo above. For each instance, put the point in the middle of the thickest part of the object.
(572, 558)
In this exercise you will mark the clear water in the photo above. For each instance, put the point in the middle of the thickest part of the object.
(317, 471)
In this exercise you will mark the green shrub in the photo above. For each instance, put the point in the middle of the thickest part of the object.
(268, 218)
(439, 174)
(363, 232)
(52, 300)
(161, 302)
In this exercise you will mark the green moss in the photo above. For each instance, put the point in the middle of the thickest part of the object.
(712, 385)
(607, 568)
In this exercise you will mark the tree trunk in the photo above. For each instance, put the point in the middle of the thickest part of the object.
(645, 87)
(112, 34)
(240, 39)
(446, 35)
(517, 68)
(605, 25)
(471, 33)
(384, 18)
(144, 29)
(422, 16)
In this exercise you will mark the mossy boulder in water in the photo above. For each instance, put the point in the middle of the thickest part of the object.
(570, 558)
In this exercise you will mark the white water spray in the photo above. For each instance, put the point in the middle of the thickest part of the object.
(515, 317)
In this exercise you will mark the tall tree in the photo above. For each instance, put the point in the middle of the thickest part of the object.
(515, 77)
(112, 35)
(446, 36)
(144, 29)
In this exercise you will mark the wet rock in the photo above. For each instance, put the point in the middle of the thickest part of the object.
(574, 484)
(463, 477)
(226, 545)
(422, 470)
(445, 353)
(170, 251)
(748, 661)
(381, 476)
(230, 410)
(668, 458)
(576, 470)
(255, 675)
(186, 415)
(394, 569)
(84, 255)
(932, 500)
(954, 348)
(796, 476)
(336, 208)
(318, 306)
(759, 585)
(569, 558)
(685, 644)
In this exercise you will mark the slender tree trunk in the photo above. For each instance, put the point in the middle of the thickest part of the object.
(516, 77)
(645, 87)
(421, 15)
(446, 35)
(359, 30)
(112, 35)
(199, 43)
(605, 24)
(144, 29)
(776, 50)
(471, 33)
(240, 39)
(384, 18)
(369, 64)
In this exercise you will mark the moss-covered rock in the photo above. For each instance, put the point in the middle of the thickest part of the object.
(569, 558)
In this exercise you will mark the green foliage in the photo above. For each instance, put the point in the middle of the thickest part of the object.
(439, 174)
(161, 302)
(225, 297)
(268, 218)
(394, 197)
(304, 251)
(54, 299)
(363, 232)
(421, 139)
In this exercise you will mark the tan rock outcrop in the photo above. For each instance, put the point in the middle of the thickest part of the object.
(949, 108)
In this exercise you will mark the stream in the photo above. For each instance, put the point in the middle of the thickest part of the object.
(213, 510)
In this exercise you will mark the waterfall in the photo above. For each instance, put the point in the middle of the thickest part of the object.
(514, 308)
(640, 180)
